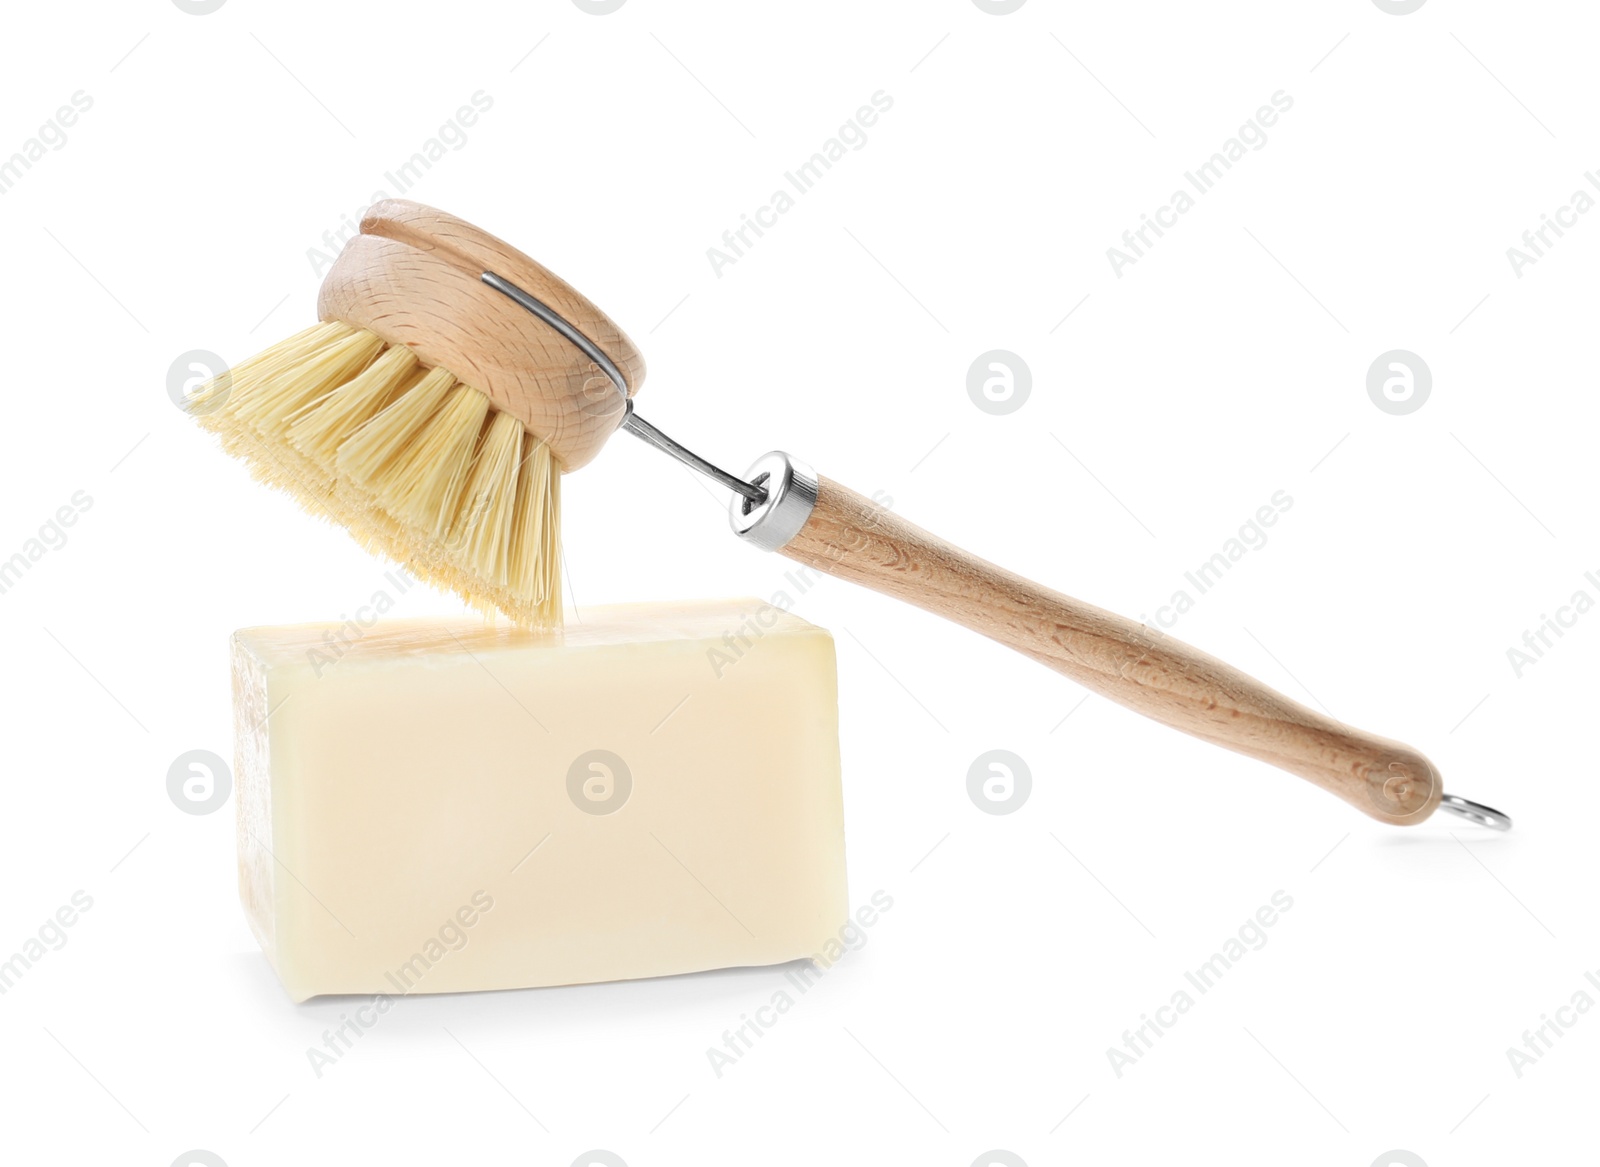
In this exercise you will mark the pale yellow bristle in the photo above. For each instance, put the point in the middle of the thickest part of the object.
(546, 558)
(209, 403)
(227, 404)
(272, 403)
(385, 438)
(531, 593)
(294, 350)
(320, 427)
(417, 466)
(423, 484)
(480, 536)
(534, 564)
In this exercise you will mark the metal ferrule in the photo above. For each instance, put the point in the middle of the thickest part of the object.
(791, 493)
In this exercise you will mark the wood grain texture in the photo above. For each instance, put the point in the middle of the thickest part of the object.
(413, 277)
(429, 229)
(851, 537)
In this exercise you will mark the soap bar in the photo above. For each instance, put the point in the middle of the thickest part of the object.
(433, 806)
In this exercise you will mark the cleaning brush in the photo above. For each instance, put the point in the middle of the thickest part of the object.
(404, 438)
(453, 380)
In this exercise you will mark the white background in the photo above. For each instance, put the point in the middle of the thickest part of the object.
(1174, 400)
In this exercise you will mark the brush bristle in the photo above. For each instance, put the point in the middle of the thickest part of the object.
(416, 465)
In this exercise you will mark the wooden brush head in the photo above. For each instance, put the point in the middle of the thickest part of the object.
(413, 277)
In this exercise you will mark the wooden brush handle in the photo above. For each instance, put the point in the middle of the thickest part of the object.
(853, 538)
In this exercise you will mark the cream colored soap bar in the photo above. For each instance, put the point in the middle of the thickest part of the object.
(439, 805)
